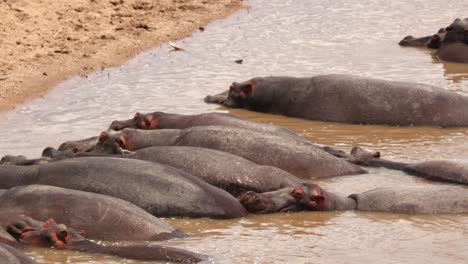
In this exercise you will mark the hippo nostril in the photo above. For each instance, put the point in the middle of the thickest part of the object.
(298, 193)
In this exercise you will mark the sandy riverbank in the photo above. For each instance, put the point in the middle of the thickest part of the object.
(47, 41)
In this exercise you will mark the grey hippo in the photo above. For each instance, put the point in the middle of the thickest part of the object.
(349, 99)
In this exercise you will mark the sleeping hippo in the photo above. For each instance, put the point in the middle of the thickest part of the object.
(351, 99)
(307, 197)
(106, 218)
(441, 170)
(412, 200)
(161, 120)
(302, 159)
(155, 187)
(49, 234)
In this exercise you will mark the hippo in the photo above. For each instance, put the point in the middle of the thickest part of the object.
(155, 187)
(161, 120)
(454, 52)
(351, 99)
(107, 218)
(302, 159)
(49, 234)
(411, 200)
(441, 170)
(11, 255)
(221, 169)
(81, 145)
(431, 41)
(308, 197)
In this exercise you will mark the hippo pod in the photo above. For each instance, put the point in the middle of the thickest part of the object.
(159, 189)
(299, 158)
(49, 234)
(161, 120)
(350, 99)
(106, 218)
(410, 200)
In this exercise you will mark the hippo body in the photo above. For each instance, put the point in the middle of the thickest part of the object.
(49, 234)
(159, 189)
(440, 170)
(161, 120)
(11, 255)
(454, 52)
(308, 197)
(299, 158)
(352, 99)
(106, 218)
(412, 200)
(221, 169)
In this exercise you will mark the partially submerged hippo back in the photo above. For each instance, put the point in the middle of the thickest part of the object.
(352, 99)
(411, 200)
(10, 255)
(224, 170)
(452, 171)
(161, 120)
(99, 216)
(454, 52)
(159, 189)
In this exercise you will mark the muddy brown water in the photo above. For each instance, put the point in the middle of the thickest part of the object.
(297, 38)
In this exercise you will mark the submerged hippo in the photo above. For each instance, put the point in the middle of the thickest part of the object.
(431, 41)
(411, 200)
(50, 234)
(453, 52)
(351, 99)
(11, 255)
(161, 120)
(159, 189)
(442, 170)
(307, 197)
(106, 218)
(300, 158)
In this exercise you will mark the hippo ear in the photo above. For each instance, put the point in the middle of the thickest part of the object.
(248, 90)
(103, 137)
(48, 223)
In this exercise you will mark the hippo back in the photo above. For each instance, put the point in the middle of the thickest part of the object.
(411, 200)
(442, 170)
(106, 218)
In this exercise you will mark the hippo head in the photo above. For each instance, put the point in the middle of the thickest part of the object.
(410, 41)
(139, 121)
(307, 197)
(43, 234)
(78, 145)
(120, 142)
(239, 93)
(362, 157)
(12, 160)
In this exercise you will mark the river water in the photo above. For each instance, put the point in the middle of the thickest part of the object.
(280, 37)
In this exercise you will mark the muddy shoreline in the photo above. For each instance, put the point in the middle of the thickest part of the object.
(48, 41)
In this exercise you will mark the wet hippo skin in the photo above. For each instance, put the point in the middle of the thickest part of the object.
(351, 99)
(106, 217)
(159, 189)
(302, 159)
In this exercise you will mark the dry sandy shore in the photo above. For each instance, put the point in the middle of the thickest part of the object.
(46, 41)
